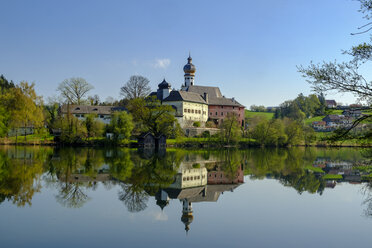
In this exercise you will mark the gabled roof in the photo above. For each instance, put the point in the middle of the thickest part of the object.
(211, 91)
(214, 95)
(184, 96)
(223, 101)
(83, 109)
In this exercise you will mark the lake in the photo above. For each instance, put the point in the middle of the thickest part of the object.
(89, 197)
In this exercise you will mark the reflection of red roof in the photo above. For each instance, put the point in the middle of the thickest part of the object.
(320, 165)
(331, 102)
(323, 123)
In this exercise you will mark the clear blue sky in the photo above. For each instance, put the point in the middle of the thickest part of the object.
(249, 49)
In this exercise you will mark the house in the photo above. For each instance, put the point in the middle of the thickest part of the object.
(319, 125)
(21, 131)
(189, 106)
(352, 113)
(146, 140)
(332, 120)
(103, 113)
(218, 176)
(198, 103)
(331, 103)
(218, 105)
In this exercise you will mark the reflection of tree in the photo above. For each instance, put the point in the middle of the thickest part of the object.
(367, 192)
(231, 161)
(70, 162)
(71, 195)
(139, 177)
(20, 173)
(134, 197)
(288, 166)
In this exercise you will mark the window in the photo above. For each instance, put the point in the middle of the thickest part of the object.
(210, 113)
(189, 111)
(233, 107)
(221, 106)
(221, 113)
(192, 111)
(216, 113)
(101, 116)
(185, 110)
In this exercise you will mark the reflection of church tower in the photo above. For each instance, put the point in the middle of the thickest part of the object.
(162, 199)
(189, 70)
(187, 216)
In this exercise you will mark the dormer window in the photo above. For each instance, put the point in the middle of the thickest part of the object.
(77, 109)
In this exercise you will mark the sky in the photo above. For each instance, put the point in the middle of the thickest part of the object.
(250, 49)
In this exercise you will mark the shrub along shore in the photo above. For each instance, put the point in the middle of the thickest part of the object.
(183, 142)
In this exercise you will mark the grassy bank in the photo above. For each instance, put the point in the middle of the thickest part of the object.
(191, 142)
(266, 115)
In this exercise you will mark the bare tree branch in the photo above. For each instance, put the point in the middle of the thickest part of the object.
(73, 90)
(137, 86)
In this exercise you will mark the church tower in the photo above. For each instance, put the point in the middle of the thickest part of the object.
(189, 70)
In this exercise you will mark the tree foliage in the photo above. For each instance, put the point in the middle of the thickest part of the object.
(302, 107)
(21, 108)
(122, 125)
(95, 128)
(151, 116)
(230, 129)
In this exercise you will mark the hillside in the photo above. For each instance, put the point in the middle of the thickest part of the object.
(250, 114)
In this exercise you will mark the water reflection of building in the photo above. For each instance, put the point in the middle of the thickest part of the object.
(193, 185)
(218, 176)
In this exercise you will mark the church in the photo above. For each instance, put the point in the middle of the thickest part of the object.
(194, 103)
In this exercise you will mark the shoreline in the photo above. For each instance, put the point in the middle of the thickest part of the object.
(184, 144)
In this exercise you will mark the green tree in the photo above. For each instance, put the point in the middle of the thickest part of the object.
(5, 85)
(24, 107)
(150, 116)
(294, 131)
(270, 133)
(230, 129)
(94, 127)
(73, 130)
(309, 135)
(122, 125)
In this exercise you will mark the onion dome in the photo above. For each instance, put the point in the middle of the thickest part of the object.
(189, 68)
(164, 85)
(187, 218)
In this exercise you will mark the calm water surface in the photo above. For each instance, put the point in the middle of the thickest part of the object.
(89, 197)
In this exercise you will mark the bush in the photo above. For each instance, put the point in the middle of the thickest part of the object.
(210, 124)
(196, 124)
(206, 134)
